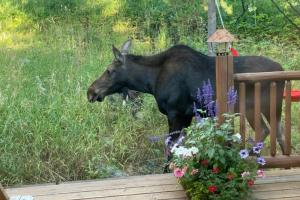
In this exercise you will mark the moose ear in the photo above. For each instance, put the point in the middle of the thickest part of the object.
(126, 46)
(118, 54)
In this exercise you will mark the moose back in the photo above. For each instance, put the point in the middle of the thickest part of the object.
(173, 77)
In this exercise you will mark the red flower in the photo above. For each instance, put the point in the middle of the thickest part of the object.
(215, 170)
(212, 188)
(250, 183)
(204, 163)
(230, 176)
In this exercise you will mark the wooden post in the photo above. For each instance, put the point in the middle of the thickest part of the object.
(224, 80)
(257, 112)
(242, 108)
(273, 119)
(3, 195)
(287, 131)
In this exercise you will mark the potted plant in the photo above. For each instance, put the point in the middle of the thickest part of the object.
(210, 164)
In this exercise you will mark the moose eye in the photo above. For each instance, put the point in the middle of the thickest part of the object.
(110, 71)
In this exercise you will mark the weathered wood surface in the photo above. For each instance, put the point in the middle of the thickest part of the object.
(279, 184)
(270, 76)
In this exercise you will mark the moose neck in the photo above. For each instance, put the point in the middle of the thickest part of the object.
(143, 74)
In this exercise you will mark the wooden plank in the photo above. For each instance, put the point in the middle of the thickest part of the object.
(287, 131)
(242, 109)
(257, 111)
(278, 179)
(3, 195)
(282, 162)
(277, 194)
(83, 186)
(272, 76)
(113, 193)
(177, 195)
(273, 120)
(276, 186)
(280, 172)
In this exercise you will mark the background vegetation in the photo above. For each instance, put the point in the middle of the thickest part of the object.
(50, 52)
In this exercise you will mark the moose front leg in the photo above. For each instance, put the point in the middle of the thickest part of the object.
(176, 122)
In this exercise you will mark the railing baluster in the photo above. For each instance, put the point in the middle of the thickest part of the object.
(273, 119)
(287, 131)
(242, 109)
(257, 111)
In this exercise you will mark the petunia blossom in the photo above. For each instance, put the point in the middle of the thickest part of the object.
(261, 173)
(178, 173)
(261, 161)
(244, 153)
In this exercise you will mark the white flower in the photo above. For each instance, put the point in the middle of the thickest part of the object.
(194, 150)
(185, 152)
(237, 137)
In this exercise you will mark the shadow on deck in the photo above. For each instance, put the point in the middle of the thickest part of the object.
(279, 184)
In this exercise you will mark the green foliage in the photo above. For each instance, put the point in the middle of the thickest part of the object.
(214, 161)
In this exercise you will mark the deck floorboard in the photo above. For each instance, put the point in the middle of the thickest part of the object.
(278, 185)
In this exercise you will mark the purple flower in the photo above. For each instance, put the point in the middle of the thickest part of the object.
(231, 97)
(260, 145)
(244, 153)
(261, 161)
(199, 96)
(154, 139)
(168, 140)
(250, 141)
(256, 149)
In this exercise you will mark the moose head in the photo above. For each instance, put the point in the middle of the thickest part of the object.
(114, 77)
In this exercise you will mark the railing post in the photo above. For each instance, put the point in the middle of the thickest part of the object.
(242, 108)
(287, 130)
(224, 80)
(273, 119)
(257, 111)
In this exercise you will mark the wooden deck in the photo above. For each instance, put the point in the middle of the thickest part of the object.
(280, 185)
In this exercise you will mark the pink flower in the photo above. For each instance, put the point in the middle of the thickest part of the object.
(261, 173)
(244, 174)
(178, 172)
(194, 171)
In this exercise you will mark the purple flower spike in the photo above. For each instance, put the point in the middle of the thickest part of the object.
(199, 96)
(244, 153)
(260, 145)
(154, 139)
(231, 97)
(256, 149)
(168, 140)
(261, 161)
(207, 96)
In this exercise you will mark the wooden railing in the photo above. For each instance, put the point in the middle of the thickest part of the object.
(287, 160)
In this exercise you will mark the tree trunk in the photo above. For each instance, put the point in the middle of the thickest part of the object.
(212, 24)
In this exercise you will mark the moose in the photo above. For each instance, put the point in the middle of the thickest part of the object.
(173, 77)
